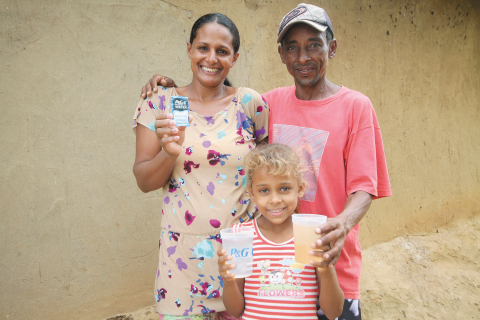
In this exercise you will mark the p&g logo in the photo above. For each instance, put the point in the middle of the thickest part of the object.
(239, 253)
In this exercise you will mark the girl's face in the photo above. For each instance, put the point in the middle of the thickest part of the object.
(276, 197)
(211, 54)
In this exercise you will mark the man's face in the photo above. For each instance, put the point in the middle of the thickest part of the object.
(306, 52)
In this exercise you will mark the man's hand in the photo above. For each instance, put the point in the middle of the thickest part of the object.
(334, 233)
(335, 230)
(152, 84)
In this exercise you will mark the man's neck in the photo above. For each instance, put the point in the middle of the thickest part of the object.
(322, 90)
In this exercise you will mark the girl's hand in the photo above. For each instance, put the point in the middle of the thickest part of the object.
(171, 138)
(223, 267)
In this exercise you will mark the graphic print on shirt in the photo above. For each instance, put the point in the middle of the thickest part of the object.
(309, 144)
(280, 281)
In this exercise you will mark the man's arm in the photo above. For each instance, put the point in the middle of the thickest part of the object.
(152, 84)
(335, 230)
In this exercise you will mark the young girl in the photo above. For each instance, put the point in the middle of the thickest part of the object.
(279, 288)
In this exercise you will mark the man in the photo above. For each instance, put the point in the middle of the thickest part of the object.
(336, 133)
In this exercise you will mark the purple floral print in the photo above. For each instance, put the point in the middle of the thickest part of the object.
(188, 165)
(215, 157)
(161, 294)
(215, 223)
(189, 218)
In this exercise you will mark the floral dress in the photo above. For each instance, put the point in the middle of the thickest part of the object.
(205, 193)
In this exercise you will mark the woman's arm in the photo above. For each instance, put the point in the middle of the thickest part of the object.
(233, 298)
(153, 166)
(157, 152)
(330, 296)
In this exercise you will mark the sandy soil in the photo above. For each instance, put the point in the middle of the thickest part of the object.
(432, 276)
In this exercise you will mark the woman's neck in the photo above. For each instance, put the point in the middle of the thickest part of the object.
(196, 91)
(207, 101)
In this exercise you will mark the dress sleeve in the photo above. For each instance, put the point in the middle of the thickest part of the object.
(149, 107)
(365, 160)
(258, 111)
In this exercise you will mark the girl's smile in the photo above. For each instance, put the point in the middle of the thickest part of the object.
(276, 213)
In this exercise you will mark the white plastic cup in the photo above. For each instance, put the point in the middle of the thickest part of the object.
(238, 243)
(304, 226)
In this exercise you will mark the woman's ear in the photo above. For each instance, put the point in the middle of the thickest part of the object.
(189, 49)
(235, 57)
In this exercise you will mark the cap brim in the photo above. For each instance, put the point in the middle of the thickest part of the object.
(317, 26)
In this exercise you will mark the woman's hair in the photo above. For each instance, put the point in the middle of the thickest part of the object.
(220, 19)
(224, 21)
(279, 159)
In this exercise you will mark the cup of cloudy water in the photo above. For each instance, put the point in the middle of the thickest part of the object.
(304, 226)
(238, 243)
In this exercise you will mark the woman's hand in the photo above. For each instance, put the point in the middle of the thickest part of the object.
(171, 138)
(223, 267)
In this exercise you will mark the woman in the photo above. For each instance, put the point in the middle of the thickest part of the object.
(200, 169)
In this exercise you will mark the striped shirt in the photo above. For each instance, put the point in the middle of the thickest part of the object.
(279, 287)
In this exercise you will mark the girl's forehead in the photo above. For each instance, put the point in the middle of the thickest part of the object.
(273, 172)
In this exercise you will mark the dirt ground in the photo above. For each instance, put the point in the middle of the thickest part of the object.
(431, 276)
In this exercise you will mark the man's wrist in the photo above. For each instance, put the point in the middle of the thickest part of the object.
(343, 220)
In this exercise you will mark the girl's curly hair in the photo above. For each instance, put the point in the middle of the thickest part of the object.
(279, 159)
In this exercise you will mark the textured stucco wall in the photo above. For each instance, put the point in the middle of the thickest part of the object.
(79, 240)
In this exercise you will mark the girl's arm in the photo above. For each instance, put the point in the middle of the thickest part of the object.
(233, 298)
(330, 295)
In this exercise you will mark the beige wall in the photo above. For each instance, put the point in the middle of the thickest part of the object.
(78, 239)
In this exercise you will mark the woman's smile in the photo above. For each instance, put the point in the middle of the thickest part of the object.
(209, 70)
(212, 54)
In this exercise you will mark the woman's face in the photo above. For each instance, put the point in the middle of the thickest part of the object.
(211, 54)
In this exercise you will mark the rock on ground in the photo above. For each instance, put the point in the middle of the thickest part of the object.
(432, 276)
